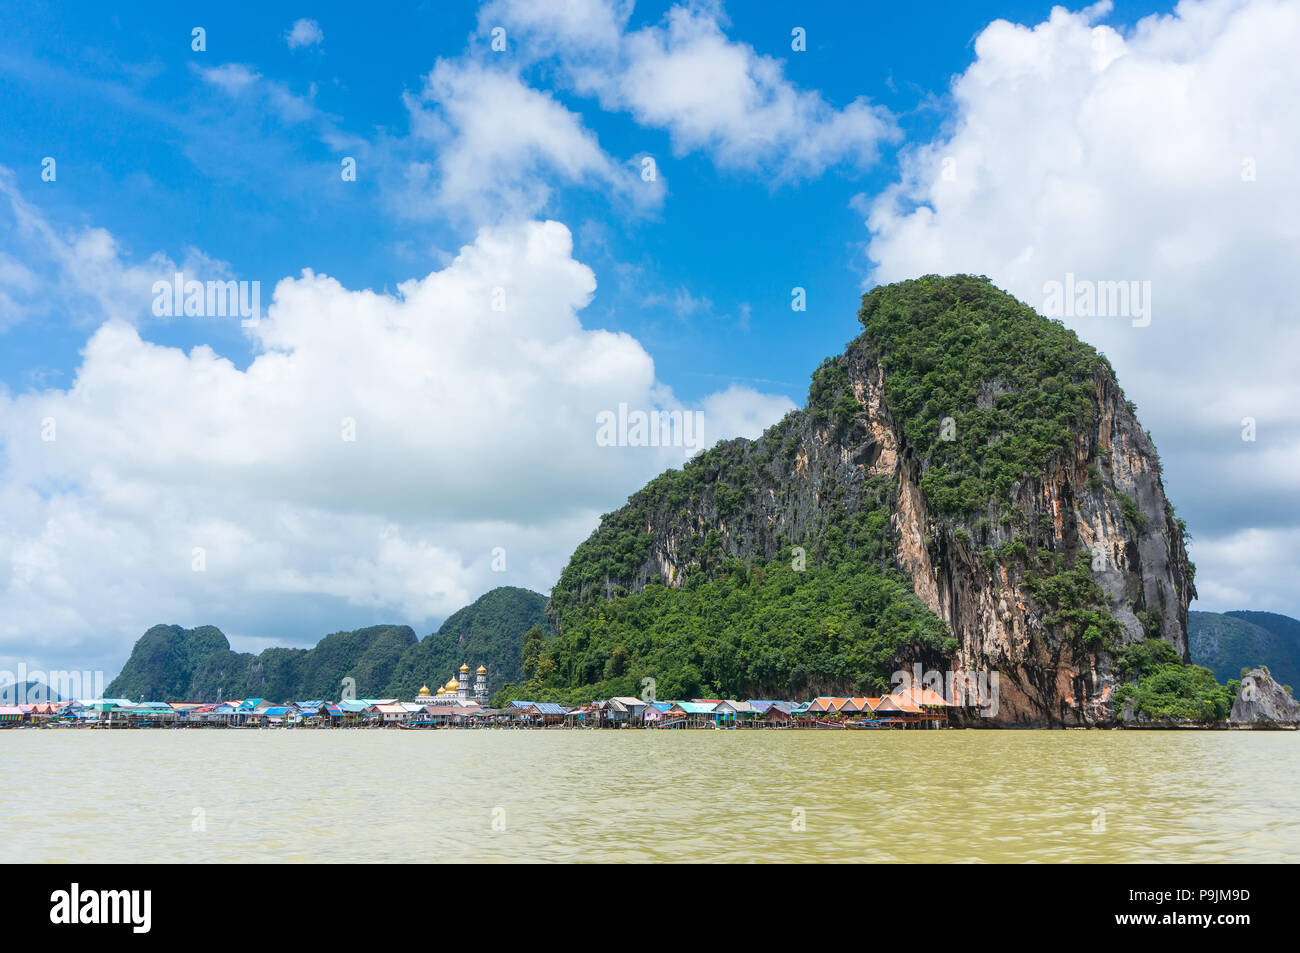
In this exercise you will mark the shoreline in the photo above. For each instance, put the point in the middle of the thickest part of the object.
(863, 728)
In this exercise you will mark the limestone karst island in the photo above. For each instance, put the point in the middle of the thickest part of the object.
(966, 526)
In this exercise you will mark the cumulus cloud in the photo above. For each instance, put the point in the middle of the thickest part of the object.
(485, 145)
(741, 411)
(722, 97)
(304, 32)
(1162, 154)
(500, 143)
(712, 94)
(372, 456)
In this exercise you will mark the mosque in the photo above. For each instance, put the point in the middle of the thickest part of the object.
(457, 691)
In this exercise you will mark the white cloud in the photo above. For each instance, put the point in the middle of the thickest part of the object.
(233, 78)
(569, 26)
(1075, 149)
(240, 81)
(741, 411)
(711, 93)
(722, 97)
(304, 33)
(485, 146)
(499, 144)
(474, 395)
(1227, 570)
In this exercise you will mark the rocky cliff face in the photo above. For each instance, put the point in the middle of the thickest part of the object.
(1040, 535)
(1139, 559)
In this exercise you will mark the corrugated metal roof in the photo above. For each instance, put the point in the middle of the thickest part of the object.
(696, 708)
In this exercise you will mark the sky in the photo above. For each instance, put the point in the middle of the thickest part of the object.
(471, 229)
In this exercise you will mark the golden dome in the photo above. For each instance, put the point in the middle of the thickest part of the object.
(453, 685)
(482, 670)
(442, 691)
(424, 689)
(464, 667)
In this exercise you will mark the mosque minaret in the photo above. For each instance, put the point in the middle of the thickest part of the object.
(458, 690)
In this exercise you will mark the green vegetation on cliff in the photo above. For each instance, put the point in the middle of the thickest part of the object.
(617, 551)
(760, 631)
(1072, 602)
(829, 616)
(169, 663)
(1015, 385)
(489, 632)
(735, 619)
(1165, 688)
(1162, 687)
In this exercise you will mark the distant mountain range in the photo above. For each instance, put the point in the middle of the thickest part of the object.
(1227, 642)
(171, 663)
(28, 692)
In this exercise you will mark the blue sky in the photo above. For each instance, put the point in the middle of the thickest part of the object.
(151, 152)
(1099, 141)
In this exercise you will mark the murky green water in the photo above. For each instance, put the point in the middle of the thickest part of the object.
(391, 796)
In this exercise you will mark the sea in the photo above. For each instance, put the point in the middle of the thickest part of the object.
(386, 796)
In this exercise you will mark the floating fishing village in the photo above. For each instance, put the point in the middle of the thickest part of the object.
(462, 704)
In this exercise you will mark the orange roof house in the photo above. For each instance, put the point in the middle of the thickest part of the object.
(926, 697)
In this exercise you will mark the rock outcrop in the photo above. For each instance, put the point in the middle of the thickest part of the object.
(1263, 703)
(1040, 534)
